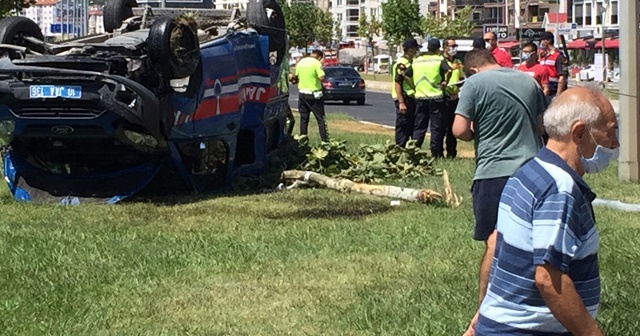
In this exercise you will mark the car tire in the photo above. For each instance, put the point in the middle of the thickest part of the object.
(165, 57)
(115, 12)
(272, 25)
(13, 28)
(360, 101)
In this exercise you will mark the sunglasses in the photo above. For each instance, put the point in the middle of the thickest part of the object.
(452, 46)
(488, 40)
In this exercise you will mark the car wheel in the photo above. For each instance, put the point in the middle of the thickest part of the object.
(115, 12)
(360, 101)
(346, 101)
(13, 29)
(173, 48)
(267, 18)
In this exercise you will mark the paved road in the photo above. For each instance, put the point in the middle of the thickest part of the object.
(378, 108)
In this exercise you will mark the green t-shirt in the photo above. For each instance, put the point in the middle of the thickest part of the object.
(504, 105)
(309, 70)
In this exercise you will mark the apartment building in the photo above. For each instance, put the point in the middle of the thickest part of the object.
(44, 13)
(588, 14)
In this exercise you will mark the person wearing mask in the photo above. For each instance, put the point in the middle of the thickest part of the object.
(502, 56)
(532, 67)
(501, 110)
(553, 60)
(453, 76)
(545, 276)
(309, 76)
(427, 73)
(403, 93)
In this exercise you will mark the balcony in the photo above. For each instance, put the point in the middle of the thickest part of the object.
(481, 3)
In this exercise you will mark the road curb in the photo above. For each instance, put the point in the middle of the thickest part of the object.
(376, 124)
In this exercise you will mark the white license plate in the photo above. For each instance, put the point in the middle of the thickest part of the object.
(55, 91)
(345, 84)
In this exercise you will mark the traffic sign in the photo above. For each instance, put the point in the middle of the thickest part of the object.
(529, 33)
(501, 31)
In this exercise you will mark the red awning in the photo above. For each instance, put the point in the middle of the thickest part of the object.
(577, 44)
(609, 43)
(508, 44)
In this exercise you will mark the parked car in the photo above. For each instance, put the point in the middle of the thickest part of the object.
(343, 83)
(588, 73)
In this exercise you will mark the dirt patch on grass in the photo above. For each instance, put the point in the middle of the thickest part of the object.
(358, 127)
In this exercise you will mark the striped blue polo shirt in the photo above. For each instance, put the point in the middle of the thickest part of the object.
(545, 216)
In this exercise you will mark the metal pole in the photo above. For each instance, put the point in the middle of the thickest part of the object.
(629, 169)
(604, 51)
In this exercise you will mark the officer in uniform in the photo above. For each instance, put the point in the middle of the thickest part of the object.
(428, 74)
(309, 76)
(403, 93)
(452, 77)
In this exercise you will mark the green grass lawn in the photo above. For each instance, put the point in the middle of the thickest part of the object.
(377, 77)
(300, 262)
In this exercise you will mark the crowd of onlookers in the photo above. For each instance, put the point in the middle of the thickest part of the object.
(534, 140)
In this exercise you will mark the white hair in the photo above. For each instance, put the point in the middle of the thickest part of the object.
(562, 114)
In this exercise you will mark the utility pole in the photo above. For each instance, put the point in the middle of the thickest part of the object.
(605, 5)
(628, 169)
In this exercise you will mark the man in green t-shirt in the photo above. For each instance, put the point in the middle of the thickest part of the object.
(309, 75)
(501, 110)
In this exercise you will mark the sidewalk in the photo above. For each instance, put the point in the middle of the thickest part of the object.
(385, 87)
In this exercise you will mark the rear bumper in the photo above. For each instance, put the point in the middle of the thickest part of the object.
(337, 94)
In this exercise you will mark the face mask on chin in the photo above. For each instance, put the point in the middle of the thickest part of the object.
(600, 160)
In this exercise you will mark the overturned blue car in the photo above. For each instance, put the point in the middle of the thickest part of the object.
(201, 96)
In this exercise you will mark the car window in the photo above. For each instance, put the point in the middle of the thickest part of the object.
(340, 72)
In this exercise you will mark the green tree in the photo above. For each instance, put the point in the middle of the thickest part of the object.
(306, 23)
(400, 20)
(368, 28)
(8, 6)
(324, 26)
(337, 30)
(460, 26)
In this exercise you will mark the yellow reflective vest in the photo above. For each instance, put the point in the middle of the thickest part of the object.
(454, 77)
(426, 76)
(405, 85)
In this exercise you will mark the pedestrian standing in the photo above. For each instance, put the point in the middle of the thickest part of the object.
(532, 67)
(553, 60)
(545, 275)
(427, 74)
(403, 93)
(309, 75)
(452, 77)
(502, 56)
(500, 109)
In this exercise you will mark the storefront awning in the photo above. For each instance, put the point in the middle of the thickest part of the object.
(508, 44)
(609, 43)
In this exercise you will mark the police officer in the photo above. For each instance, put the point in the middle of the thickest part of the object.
(453, 76)
(403, 92)
(428, 75)
(309, 75)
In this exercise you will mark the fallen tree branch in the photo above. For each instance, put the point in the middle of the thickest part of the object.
(408, 194)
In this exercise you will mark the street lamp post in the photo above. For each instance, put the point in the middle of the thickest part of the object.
(605, 4)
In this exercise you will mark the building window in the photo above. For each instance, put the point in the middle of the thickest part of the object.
(339, 17)
(614, 12)
(374, 12)
(587, 14)
(339, 2)
(477, 16)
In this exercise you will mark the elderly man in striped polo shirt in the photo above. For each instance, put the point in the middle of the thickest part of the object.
(544, 277)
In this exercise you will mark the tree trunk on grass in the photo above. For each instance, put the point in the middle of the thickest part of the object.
(425, 196)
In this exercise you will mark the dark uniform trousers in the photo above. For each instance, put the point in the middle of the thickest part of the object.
(307, 104)
(448, 117)
(430, 111)
(405, 122)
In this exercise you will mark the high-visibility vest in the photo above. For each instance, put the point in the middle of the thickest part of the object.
(405, 85)
(455, 77)
(426, 76)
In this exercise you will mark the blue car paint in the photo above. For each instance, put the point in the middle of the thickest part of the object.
(243, 60)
